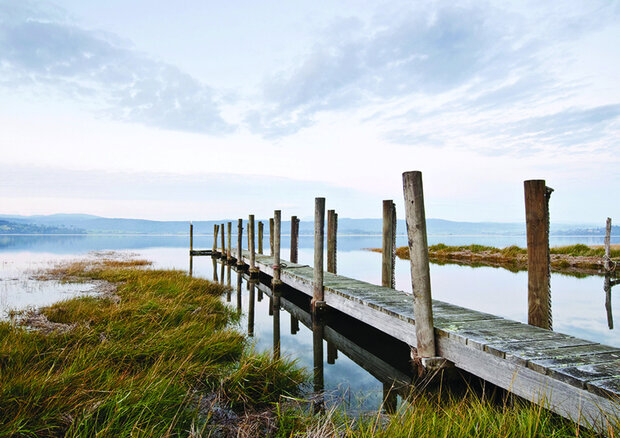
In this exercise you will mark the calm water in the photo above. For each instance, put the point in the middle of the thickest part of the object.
(578, 303)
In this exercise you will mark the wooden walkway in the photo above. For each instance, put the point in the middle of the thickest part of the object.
(575, 378)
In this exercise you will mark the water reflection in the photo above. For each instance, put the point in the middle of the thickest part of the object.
(607, 285)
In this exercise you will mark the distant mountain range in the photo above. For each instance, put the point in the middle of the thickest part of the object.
(88, 224)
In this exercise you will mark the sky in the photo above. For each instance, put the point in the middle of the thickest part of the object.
(207, 109)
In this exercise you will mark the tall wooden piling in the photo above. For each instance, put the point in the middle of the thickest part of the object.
(276, 248)
(271, 236)
(248, 234)
(222, 241)
(229, 250)
(538, 259)
(389, 244)
(607, 263)
(318, 299)
(239, 242)
(420, 272)
(215, 230)
(253, 269)
(294, 239)
(260, 237)
(191, 248)
(332, 232)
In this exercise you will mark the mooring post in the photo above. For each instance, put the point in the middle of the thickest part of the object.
(276, 249)
(537, 196)
(420, 272)
(223, 254)
(389, 244)
(318, 299)
(332, 232)
(248, 233)
(229, 250)
(239, 242)
(253, 269)
(271, 235)
(260, 237)
(215, 230)
(607, 264)
(294, 239)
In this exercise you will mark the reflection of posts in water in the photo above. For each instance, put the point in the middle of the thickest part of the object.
(317, 354)
(607, 285)
(251, 308)
(389, 398)
(332, 353)
(270, 306)
(228, 269)
(222, 273)
(276, 325)
(214, 269)
(294, 325)
(260, 295)
(239, 282)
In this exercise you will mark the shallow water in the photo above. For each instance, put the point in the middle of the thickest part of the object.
(578, 303)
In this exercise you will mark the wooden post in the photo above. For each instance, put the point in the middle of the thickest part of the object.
(607, 264)
(229, 251)
(239, 242)
(215, 230)
(319, 234)
(420, 272)
(538, 270)
(271, 235)
(332, 232)
(294, 239)
(389, 241)
(260, 237)
(248, 233)
(222, 241)
(253, 269)
(276, 248)
(191, 248)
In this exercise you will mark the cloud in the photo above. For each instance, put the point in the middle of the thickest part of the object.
(40, 47)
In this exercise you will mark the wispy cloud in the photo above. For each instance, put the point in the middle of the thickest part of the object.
(42, 49)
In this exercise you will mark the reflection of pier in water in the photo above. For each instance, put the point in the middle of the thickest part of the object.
(607, 285)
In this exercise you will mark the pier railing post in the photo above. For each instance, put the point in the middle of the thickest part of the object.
(389, 244)
(420, 272)
(332, 232)
(276, 248)
(318, 299)
(253, 269)
(239, 242)
(537, 196)
(271, 235)
(294, 239)
(229, 250)
(260, 237)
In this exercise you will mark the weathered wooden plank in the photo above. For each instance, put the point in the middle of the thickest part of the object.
(607, 388)
(580, 375)
(542, 365)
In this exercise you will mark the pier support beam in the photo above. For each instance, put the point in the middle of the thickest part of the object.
(537, 196)
(239, 243)
(420, 272)
(332, 231)
(389, 244)
(318, 299)
(260, 237)
(294, 239)
(251, 240)
(276, 249)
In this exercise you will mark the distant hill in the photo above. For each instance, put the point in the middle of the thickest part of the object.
(8, 227)
(81, 223)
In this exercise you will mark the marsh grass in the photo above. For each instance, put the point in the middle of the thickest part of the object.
(132, 363)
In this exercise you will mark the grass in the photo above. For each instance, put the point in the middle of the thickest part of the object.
(140, 362)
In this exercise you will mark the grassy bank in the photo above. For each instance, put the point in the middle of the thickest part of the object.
(572, 259)
(155, 356)
(159, 354)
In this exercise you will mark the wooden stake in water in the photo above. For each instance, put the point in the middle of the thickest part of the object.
(318, 299)
(253, 269)
(215, 230)
(332, 232)
(191, 248)
(260, 237)
(389, 236)
(294, 238)
(538, 269)
(607, 263)
(420, 272)
(271, 235)
(276, 248)
(239, 242)
(222, 241)
(229, 251)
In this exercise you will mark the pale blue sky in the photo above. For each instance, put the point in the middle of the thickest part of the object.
(204, 109)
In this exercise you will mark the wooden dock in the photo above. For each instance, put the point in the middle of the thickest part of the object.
(575, 378)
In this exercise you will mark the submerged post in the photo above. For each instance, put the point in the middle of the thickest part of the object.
(420, 272)
(389, 244)
(253, 269)
(271, 235)
(260, 237)
(239, 242)
(229, 250)
(332, 232)
(537, 196)
(319, 234)
(276, 248)
(294, 238)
